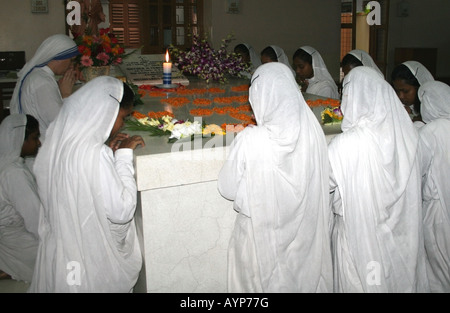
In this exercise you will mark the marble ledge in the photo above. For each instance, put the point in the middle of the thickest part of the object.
(179, 168)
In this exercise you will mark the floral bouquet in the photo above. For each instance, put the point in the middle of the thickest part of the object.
(209, 64)
(332, 115)
(99, 50)
(168, 125)
(165, 125)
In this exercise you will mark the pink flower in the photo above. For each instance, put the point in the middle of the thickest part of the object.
(86, 61)
(103, 57)
(118, 61)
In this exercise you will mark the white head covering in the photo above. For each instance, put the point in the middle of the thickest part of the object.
(56, 47)
(321, 73)
(435, 164)
(365, 59)
(254, 57)
(73, 217)
(420, 72)
(12, 136)
(435, 99)
(282, 57)
(375, 166)
(284, 190)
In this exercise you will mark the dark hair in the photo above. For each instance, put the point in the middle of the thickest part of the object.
(350, 59)
(128, 96)
(241, 49)
(32, 126)
(270, 53)
(403, 72)
(303, 55)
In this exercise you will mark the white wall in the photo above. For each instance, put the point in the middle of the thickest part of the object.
(22, 30)
(427, 26)
(289, 24)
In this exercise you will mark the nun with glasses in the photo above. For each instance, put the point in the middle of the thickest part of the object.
(377, 238)
(37, 91)
(312, 73)
(277, 175)
(434, 147)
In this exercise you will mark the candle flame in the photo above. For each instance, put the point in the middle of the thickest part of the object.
(167, 55)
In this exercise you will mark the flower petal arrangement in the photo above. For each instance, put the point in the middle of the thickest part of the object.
(209, 64)
(332, 115)
(164, 125)
(99, 49)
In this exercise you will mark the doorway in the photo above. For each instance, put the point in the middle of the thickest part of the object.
(356, 33)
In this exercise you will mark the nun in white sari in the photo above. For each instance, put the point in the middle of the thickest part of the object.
(406, 80)
(37, 92)
(277, 176)
(279, 56)
(364, 60)
(420, 72)
(321, 82)
(19, 203)
(250, 56)
(377, 238)
(88, 239)
(435, 167)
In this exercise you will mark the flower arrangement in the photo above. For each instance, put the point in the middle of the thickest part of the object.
(209, 64)
(164, 125)
(332, 115)
(99, 50)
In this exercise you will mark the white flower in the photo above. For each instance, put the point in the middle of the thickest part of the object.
(168, 126)
(186, 129)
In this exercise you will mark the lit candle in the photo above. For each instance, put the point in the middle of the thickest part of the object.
(167, 70)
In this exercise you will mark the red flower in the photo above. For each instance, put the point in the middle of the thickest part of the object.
(103, 49)
(84, 50)
(107, 48)
(103, 31)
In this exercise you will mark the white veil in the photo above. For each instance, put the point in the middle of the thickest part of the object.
(435, 165)
(73, 218)
(282, 57)
(374, 162)
(365, 59)
(56, 47)
(12, 135)
(284, 189)
(419, 71)
(254, 57)
(321, 74)
(435, 99)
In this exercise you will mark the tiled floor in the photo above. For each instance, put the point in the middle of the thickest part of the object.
(13, 286)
